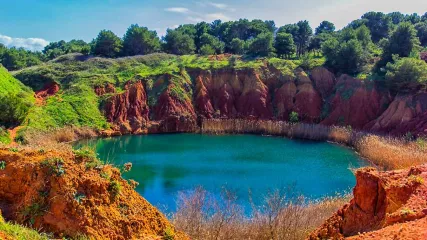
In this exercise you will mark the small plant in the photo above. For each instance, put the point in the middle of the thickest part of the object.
(85, 154)
(55, 165)
(2, 165)
(406, 212)
(293, 117)
(418, 180)
(422, 143)
(127, 167)
(13, 150)
(115, 188)
(79, 197)
(31, 212)
(409, 136)
(169, 234)
(105, 175)
(41, 151)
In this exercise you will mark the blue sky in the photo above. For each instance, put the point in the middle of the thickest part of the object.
(33, 23)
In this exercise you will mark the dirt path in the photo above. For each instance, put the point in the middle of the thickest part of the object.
(12, 133)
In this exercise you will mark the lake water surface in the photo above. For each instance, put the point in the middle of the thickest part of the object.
(167, 164)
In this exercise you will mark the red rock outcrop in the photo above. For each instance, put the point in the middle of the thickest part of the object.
(107, 88)
(384, 204)
(129, 111)
(405, 114)
(324, 81)
(355, 103)
(49, 89)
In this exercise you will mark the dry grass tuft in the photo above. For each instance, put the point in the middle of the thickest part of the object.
(202, 216)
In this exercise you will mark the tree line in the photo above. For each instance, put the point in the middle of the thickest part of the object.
(375, 34)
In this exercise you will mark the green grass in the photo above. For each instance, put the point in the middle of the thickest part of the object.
(4, 136)
(19, 232)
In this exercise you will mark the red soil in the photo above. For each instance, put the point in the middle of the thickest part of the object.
(386, 205)
(78, 201)
(48, 90)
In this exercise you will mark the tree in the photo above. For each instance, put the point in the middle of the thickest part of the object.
(379, 24)
(421, 28)
(413, 18)
(207, 50)
(317, 41)
(424, 17)
(262, 45)
(406, 74)
(140, 41)
(402, 42)
(107, 44)
(344, 57)
(56, 49)
(179, 43)
(208, 40)
(284, 45)
(364, 35)
(238, 46)
(325, 27)
(303, 36)
(396, 17)
(13, 109)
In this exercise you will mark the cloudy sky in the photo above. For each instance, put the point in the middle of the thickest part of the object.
(33, 23)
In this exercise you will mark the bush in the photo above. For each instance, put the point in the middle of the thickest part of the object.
(115, 188)
(13, 109)
(406, 74)
(293, 117)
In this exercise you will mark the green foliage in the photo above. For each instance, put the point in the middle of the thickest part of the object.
(54, 165)
(284, 45)
(31, 212)
(140, 41)
(4, 136)
(207, 50)
(115, 188)
(2, 165)
(56, 49)
(207, 40)
(301, 33)
(169, 234)
(17, 58)
(422, 32)
(262, 45)
(345, 57)
(78, 197)
(107, 44)
(379, 24)
(86, 153)
(176, 42)
(13, 109)
(238, 46)
(325, 27)
(19, 232)
(293, 117)
(406, 74)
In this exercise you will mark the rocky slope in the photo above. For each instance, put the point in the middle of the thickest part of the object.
(264, 93)
(386, 205)
(70, 195)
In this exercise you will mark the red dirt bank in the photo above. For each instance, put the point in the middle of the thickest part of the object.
(68, 199)
(386, 205)
(265, 93)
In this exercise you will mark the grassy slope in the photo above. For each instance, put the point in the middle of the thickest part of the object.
(76, 103)
(10, 85)
(18, 232)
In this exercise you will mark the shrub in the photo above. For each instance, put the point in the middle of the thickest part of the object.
(406, 74)
(55, 166)
(169, 234)
(115, 188)
(293, 117)
(13, 109)
(2, 165)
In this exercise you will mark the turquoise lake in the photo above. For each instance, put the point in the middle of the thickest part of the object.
(167, 164)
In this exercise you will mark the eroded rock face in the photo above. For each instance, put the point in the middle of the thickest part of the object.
(382, 202)
(66, 198)
(129, 111)
(178, 102)
(49, 89)
(355, 103)
(407, 113)
(107, 88)
(324, 81)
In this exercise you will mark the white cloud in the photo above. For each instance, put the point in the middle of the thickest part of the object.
(218, 5)
(177, 10)
(33, 44)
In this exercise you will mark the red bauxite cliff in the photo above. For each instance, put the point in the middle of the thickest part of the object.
(386, 205)
(265, 93)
